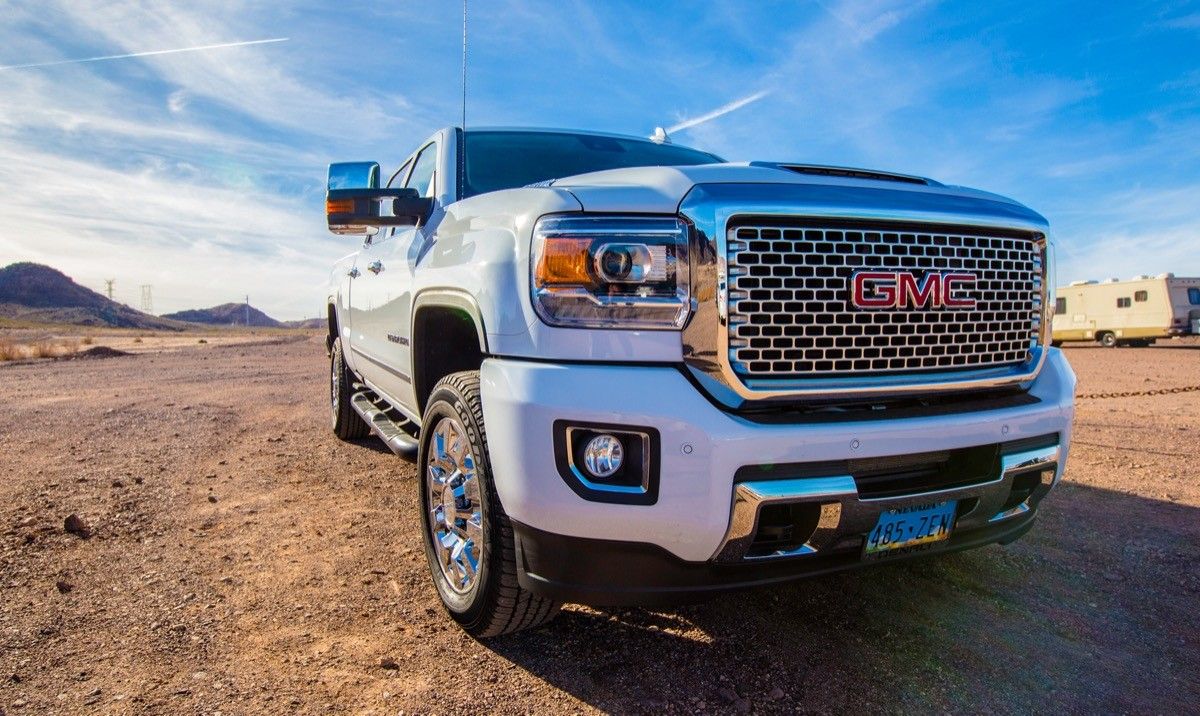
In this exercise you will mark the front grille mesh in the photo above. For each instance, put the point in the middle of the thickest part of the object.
(790, 314)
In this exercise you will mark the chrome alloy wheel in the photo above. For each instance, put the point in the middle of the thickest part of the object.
(335, 381)
(455, 507)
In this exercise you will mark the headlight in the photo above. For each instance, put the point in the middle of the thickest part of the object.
(611, 271)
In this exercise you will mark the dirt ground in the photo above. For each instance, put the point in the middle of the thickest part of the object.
(131, 340)
(243, 561)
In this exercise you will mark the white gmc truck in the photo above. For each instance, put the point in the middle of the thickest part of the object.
(634, 373)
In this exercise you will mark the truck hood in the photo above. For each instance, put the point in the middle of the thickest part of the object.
(661, 190)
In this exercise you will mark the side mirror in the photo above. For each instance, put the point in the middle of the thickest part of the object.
(353, 201)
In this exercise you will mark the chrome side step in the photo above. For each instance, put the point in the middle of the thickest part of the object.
(393, 432)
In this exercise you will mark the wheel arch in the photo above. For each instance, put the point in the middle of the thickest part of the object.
(448, 336)
(332, 324)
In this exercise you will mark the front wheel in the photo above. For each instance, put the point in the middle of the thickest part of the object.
(1108, 340)
(468, 537)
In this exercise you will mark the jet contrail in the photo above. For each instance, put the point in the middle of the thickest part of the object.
(144, 54)
(718, 112)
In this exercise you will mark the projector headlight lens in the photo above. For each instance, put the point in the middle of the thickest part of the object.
(611, 272)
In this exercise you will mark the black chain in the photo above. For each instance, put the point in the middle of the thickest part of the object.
(1137, 393)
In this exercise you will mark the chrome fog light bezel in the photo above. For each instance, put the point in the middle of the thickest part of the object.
(634, 482)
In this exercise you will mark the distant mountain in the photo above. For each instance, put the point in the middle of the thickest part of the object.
(227, 314)
(307, 323)
(34, 292)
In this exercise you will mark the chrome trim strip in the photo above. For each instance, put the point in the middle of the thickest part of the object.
(845, 514)
(749, 497)
(709, 207)
(1029, 461)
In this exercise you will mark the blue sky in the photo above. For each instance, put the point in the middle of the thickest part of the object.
(203, 173)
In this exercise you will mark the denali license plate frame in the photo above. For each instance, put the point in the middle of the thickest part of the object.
(905, 529)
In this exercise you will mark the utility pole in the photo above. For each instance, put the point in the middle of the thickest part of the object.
(247, 309)
(147, 299)
(108, 283)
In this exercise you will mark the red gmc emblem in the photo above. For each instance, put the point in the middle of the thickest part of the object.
(902, 289)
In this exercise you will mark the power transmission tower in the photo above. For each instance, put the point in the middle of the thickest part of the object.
(147, 299)
(247, 310)
(108, 283)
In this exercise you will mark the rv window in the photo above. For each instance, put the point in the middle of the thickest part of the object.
(1141, 296)
(1123, 302)
(1060, 306)
(1194, 296)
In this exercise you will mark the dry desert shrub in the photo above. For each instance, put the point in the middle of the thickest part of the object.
(51, 348)
(88, 340)
(10, 350)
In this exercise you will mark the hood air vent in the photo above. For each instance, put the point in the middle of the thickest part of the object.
(847, 172)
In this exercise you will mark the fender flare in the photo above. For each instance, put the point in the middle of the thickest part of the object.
(450, 298)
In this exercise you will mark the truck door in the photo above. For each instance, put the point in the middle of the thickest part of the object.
(381, 295)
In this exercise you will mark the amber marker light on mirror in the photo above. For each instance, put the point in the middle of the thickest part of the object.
(339, 206)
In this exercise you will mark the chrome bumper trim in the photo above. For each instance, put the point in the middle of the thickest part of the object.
(845, 514)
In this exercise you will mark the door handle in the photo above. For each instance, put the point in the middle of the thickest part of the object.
(354, 273)
(375, 267)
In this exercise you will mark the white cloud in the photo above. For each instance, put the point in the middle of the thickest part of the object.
(177, 101)
(199, 245)
(252, 81)
(868, 20)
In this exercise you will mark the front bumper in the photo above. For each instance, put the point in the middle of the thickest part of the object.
(695, 522)
(614, 573)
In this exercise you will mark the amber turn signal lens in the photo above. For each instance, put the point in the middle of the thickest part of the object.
(564, 262)
(339, 206)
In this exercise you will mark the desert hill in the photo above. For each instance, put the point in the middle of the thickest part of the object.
(34, 292)
(227, 314)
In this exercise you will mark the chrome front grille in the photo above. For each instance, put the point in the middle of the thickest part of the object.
(791, 317)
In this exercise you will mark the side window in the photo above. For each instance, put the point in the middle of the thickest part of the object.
(400, 175)
(422, 177)
(1194, 296)
(1123, 302)
(1141, 296)
(1060, 306)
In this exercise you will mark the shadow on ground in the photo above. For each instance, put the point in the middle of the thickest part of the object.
(1048, 623)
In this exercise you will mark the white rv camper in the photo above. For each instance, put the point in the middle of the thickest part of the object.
(1133, 312)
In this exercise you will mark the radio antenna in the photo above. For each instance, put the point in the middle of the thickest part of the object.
(464, 68)
(461, 169)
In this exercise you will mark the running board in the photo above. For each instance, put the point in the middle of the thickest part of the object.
(398, 440)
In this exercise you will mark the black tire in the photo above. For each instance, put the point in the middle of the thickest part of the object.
(1108, 340)
(347, 424)
(494, 602)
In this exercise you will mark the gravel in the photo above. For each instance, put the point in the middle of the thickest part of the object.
(304, 588)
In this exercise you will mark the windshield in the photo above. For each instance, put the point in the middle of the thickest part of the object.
(506, 160)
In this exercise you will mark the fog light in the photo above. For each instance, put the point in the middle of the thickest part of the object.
(603, 456)
(618, 464)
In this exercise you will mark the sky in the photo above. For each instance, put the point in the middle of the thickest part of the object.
(203, 173)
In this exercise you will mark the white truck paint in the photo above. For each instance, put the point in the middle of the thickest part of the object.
(726, 458)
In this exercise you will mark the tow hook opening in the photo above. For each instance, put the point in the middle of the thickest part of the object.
(784, 527)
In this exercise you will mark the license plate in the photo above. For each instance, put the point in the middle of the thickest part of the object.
(909, 527)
